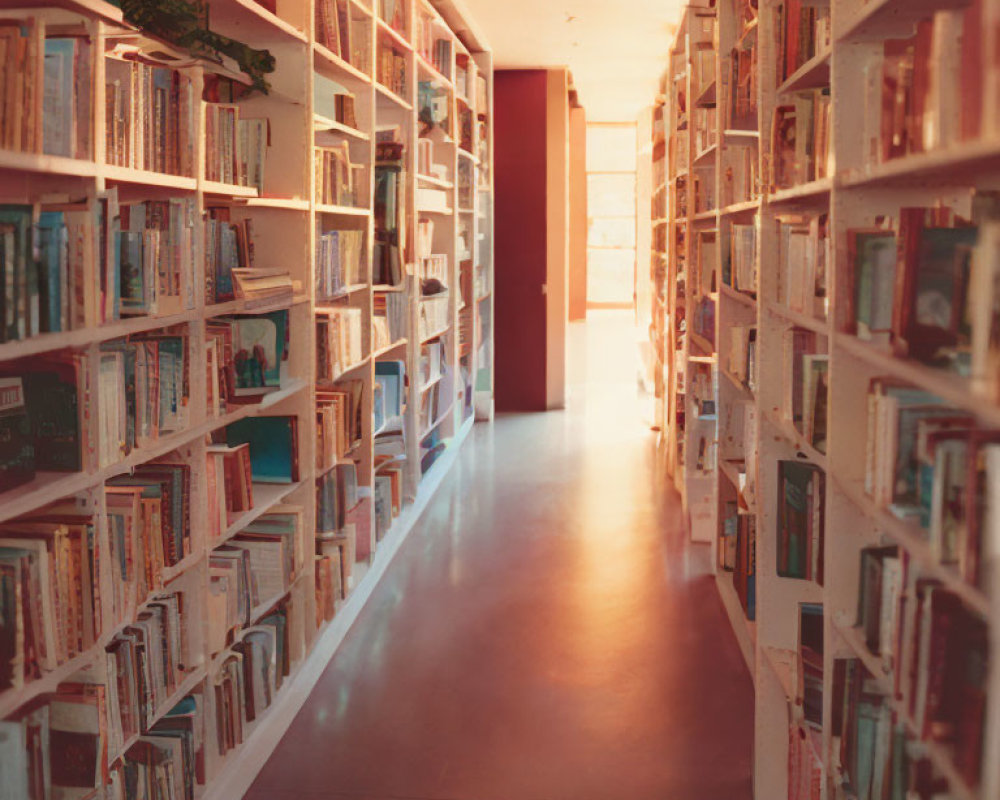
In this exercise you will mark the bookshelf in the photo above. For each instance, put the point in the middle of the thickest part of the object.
(219, 438)
(806, 200)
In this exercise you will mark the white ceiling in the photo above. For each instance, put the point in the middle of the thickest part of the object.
(616, 49)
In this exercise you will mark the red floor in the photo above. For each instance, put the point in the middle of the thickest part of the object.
(545, 633)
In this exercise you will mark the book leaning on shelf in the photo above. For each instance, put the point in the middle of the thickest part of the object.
(341, 32)
(235, 146)
(339, 413)
(247, 358)
(389, 319)
(338, 180)
(391, 67)
(228, 484)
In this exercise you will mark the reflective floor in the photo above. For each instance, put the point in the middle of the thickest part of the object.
(545, 632)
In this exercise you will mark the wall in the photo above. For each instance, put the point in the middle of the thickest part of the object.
(577, 213)
(531, 119)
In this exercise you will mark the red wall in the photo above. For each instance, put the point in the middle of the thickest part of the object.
(520, 245)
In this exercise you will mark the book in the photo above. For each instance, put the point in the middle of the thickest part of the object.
(872, 254)
(341, 262)
(273, 447)
(801, 517)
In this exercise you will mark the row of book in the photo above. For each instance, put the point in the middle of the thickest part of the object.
(339, 341)
(340, 262)
(740, 174)
(390, 68)
(800, 145)
(51, 575)
(46, 88)
(336, 495)
(342, 33)
(387, 493)
(143, 391)
(804, 32)
(235, 146)
(250, 572)
(433, 315)
(932, 465)
(339, 181)
(339, 411)
(49, 582)
(250, 673)
(740, 110)
(229, 247)
(926, 91)
(739, 271)
(924, 283)
(436, 50)
(149, 112)
(806, 384)
(804, 256)
(389, 210)
(390, 319)
(229, 485)
(742, 356)
(933, 687)
(436, 401)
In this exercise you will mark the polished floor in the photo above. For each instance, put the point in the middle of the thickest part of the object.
(545, 632)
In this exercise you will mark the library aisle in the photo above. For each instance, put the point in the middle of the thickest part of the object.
(555, 636)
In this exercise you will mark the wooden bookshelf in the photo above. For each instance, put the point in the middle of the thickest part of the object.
(762, 214)
(287, 222)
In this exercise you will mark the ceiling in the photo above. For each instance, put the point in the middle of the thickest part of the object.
(616, 51)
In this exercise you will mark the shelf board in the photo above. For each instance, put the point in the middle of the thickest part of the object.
(704, 216)
(398, 38)
(436, 335)
(809, 193)
(893, 19)
(147, 178)
(352, 368)
(384, 92)
(282, 203)
(321, 123)
(342, 211)
(956, 164)
(914, 540)
(784, 665)
(744, 207)
(261, 305)
(706, 157)
(345, 291)
(79, 339)
(954, 389)
(742, 298)
(89, 8)
(434, 72)
(441, 418)
(324, 58)
(432, 382)
(265, 497)
(814, 74)
(389, 348)
(745, 630)
(439, 182)
(45, 164)
(254, 21)
(229, 189)
(737, 383)
(385, 287)
(442, 212)
(739, 133)
(706, 346)
(818, 326)
(706, 99)
(466, 154)
(795, 439)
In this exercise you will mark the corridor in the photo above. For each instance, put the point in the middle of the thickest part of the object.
(545, 632)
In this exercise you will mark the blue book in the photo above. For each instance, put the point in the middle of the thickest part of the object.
(52, 243)
(57, 99)
(273, 450)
